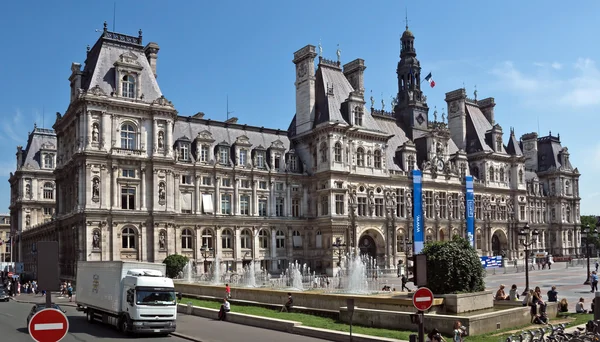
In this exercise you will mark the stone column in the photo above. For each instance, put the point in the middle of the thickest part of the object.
(88, 129)
(170, 191)
(304, 210)
(143, 192)
(197, 195)
(288, 199)
(235, 201)
(78, 132)
(237, 248)
(115, 188)
(154, 136)
(144, 243)
(153, 197)
(254, 201)
(177, 193)
(169, 134)
(271, 199)
(88, 183)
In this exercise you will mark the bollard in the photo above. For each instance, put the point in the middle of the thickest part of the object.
(504, 270)
(412, 338)
(190, 308)
(494, 270)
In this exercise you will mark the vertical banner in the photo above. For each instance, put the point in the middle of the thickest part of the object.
(418, 233)
(470, 207)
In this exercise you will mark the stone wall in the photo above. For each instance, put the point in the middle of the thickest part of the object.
(466, 302)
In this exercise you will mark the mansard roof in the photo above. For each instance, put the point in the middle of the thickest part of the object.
(480, 126)
(549, 150)
(228, 132)
(513, 148)
(38, 138)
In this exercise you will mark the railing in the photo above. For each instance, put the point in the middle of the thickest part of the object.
(127, 152)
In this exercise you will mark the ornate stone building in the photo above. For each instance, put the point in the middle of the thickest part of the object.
(137, 181)
(5, 243)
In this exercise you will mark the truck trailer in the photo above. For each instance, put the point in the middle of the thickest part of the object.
(135, 297)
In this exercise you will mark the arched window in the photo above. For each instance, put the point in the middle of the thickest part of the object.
(520, 176)
(360, 157)
(187, 239)
(128, 84)
(128, 137)
(49, 161)
(377, 159)
(226, 239)
(358, 116)
(296, 239)
(48, 190)
(280, 239)
(400, 241)
(207, 238)
(246, 239)
(369, 158)
(263, 239)
(491, 174)
(319, 239)
(501, 174)
(323, 152)
(128, 238)
(478, 240)
(337, 151)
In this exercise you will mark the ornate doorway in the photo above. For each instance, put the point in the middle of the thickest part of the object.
(367, 246)
(499, 243)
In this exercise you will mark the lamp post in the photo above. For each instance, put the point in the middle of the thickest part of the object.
(527, 240)
(338, 245)
(351, 245)
(407, 249)
(587, 234)
(205, 250)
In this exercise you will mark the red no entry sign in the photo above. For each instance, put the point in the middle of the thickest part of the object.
(423, 299)
(48, 325)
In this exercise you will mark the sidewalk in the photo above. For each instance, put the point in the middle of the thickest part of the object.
(35, 299)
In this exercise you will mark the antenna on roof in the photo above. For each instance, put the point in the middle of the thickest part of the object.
(43, 112)
(406, 17)
(114, 15)
(538, 118)
(228, 112)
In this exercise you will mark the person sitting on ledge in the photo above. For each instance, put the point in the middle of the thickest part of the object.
(579, 307)
(385, 288)
(563, 305)
(500, 294)
(552, 295)
(225, 308)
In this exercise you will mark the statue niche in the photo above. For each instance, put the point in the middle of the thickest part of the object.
(96, 239)
(96, 189)
(162, 240)
(162, 193)
(161, 139)
(95, 133)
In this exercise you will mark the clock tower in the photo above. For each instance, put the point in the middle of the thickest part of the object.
(411, 110)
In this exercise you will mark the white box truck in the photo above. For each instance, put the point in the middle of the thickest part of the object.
(133, 296)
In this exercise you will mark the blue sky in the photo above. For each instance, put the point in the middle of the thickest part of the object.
(535, 57)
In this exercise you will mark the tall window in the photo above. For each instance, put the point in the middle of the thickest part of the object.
(48, 191)
(296, 207)
(204, 153)
(128, 137)
(324, 205)
(279, 206)
(128, 238)
(280, 239)
(207, 238)
(358, 116)
(360, 156)
(243, 157)
(429, 204)
(323, 152)
(49, 161)
(224, 155)
(260, 159)
(263, 239)
(520, 176)
(491, 172)
(379, 207)
(128, 84)
(277, 161)
(226, 239)
(293, 163)
(400, 203)
(296, 239)
(377, 159)
(244, 205)
(184, 152)
(337, 152)
(262, 207)
(339, 204)
(362, 206)
(186, 239)
(128, 198)
(246, 239)
(226, 204)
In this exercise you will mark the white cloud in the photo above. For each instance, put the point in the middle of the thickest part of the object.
(11, 128)
(543, 85)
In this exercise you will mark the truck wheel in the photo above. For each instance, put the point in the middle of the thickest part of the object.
(90, 316)
(124, 325)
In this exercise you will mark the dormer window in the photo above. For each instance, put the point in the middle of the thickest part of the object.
(377, 159)
(243, 160)
(277, 161)
(323, 152)
(204, 153)
(358, 116)
(293, 163)
(128, 137)
(128, 86)
(491, 174)
(260, 159)
(49, 161)
(337, 152)
(184, 152)
(224, 155)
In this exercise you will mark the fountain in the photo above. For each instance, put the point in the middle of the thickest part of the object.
(216, 270)
(357, 275)
(188, 272)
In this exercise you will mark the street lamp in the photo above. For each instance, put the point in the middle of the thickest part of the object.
(205, 250)
(338, 244)
(527, 240)
(587, 234)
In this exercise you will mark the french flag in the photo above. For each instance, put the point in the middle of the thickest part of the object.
(430, 80)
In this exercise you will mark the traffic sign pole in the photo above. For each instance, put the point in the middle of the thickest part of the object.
(422, 301)
(48, 325)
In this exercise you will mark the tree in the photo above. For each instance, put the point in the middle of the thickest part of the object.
(175, 264)
(453, 267)
(592, 239)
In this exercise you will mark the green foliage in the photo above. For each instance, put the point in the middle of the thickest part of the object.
(453, 267)
(591, 220)
(175, 264)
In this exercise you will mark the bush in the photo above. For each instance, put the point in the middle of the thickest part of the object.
(453, 267)
(175, 264)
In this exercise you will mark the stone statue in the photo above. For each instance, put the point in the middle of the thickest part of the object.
(161, 192)
(28, 190)
(410, 95)
(28, 220)
(394, 102)
(96, 240)
(161, 139)
(435, 115)
(161, 240)
(338, 53)
(443, 116)
(96, 189)
(372, 100)
(382, 104)
(95, 133)
(320, 50)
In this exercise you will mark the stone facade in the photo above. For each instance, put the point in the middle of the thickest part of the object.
(137, 181)
(5, 242)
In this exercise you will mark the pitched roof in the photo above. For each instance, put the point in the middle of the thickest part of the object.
(389, 125)
(549, 149)
(38, 139)
(513, 148)
(480, 124)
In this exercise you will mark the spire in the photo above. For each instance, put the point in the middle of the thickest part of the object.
(406, 17)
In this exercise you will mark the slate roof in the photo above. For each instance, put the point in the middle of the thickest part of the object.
(38, 138)
(513, 147)
(480, 125)
(389, 125)
(221, 132)
(99, 67)
(549, 149)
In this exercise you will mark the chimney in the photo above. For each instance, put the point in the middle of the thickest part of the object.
(530, 150)
(487, 108)
(305, 88)
(19, 157)
(75, 80)
(354, 72)
(457, 117)
(151, 52)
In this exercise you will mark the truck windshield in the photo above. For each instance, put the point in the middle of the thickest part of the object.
(155, 297)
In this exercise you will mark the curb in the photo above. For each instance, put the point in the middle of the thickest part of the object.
(186, 337)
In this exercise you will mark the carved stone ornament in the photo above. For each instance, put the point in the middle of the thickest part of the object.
(162, 194)
(162, 240)
(95, 132)
(96, 189)
(161, 139)
(453, 107)
(162, 101)
(302, 70)
(96, 239)
(96, 91)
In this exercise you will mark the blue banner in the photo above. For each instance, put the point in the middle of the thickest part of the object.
(493, 261)
(470, 208)
(418, 211)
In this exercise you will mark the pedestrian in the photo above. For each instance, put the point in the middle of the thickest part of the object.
(597, 264)
(227, 291)
(552, 295)
(459, 332)
(288, 305)
(225, 308)
(70, 292)
(594, 281)
(404, 280)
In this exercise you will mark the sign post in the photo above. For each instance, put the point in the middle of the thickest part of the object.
(422, 301)
(350, 306)
(48, 325)
(47, 268)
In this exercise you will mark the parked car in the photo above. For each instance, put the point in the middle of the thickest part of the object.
(40, 307)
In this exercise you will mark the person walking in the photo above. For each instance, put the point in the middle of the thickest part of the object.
(594, 281)
(288, 305)
(404, 280)
(227, 291)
